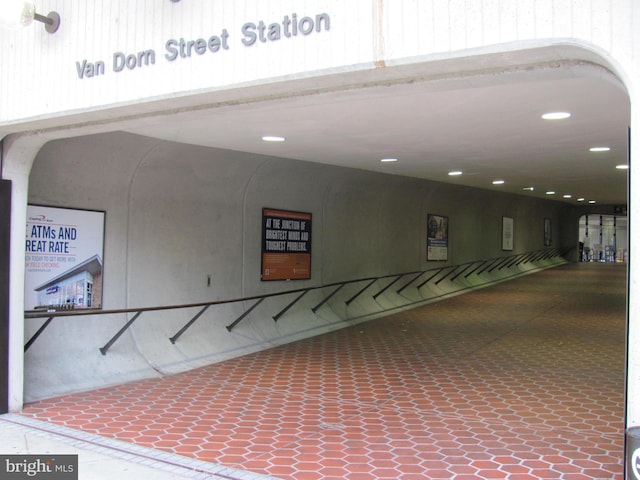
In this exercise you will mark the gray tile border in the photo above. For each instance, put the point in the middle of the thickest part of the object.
(165, 461)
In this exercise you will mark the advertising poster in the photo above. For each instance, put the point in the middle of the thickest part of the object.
(437, 237)
(507, 233)
(286, 245)
(63, 259)
(547, 232)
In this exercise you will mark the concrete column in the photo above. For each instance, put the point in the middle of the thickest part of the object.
(632, 470)
(18, 154)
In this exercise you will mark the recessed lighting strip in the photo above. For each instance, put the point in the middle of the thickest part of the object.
(556, 115)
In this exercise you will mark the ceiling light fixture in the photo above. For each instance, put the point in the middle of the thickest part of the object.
(14, 14)
(551, 192)
(592, 201)
(271, 138)
(581, 199)
(622, 167)
(566, 196)
(530, 189)
(388, 160)
(498, 182)
(455, 173)
(556, 115)
(599, 149)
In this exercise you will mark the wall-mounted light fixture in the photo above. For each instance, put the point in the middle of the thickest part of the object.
(19, 13)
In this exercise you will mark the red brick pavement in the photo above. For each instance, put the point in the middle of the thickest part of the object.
(522, 380)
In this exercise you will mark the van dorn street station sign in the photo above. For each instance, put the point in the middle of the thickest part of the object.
(251, 33)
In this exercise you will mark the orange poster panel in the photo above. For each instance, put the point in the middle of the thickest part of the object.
(286, 245)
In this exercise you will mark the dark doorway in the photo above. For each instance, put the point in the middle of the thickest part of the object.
(5, 232)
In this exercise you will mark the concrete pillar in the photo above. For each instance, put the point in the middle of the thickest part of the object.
(18, 154)
(633, 314)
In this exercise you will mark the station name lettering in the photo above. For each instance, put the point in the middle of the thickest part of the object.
(181, 48)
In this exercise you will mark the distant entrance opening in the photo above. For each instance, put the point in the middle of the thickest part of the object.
(603, 238)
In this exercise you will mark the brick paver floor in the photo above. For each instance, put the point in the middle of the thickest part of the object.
(521, 380)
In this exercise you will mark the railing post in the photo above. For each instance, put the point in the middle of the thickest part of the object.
(491, 262)
(505, 262)
(104, 349)
(502, 261)
(317, 307)
(449, 273)
(361, 291)
(453, 279)
(482, 262)
(388, 286)
(239, 319)
(539, 256)
(526, 258)
(189, 323)
(277, 316)
(430, 278)
(37, 334)
(399, 291)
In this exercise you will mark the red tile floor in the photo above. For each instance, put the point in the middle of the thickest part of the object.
(522, 380)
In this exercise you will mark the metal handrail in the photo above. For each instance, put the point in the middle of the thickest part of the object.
(508, 261)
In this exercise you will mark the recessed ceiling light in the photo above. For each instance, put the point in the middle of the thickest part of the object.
(272, 138)
(530, 189)
(551, 192)
(566, 196)
(599, 149)
(498, 182)
(622, 167)
(581, 199)
(592, 201)
(455, 173)
(556, 115)
(388, 159)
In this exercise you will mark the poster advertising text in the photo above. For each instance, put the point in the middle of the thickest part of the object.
(437, 237)
(286, 245)
(63, 259)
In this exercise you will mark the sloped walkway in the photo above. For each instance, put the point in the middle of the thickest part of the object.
(522, 380)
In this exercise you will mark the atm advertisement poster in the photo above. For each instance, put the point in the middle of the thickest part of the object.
(437, 237)
(286, 245)
(63, 258)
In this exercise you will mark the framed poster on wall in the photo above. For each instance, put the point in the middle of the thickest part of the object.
(286, 245)
(547, 232)
(507, 233)
(63, 258)
(437, 237)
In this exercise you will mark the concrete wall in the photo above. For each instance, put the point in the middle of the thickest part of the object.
(176, 214)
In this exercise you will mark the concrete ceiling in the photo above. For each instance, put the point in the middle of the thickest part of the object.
(488, 126)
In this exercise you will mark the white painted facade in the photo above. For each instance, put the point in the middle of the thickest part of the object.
(53, 86)
(364, 34)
